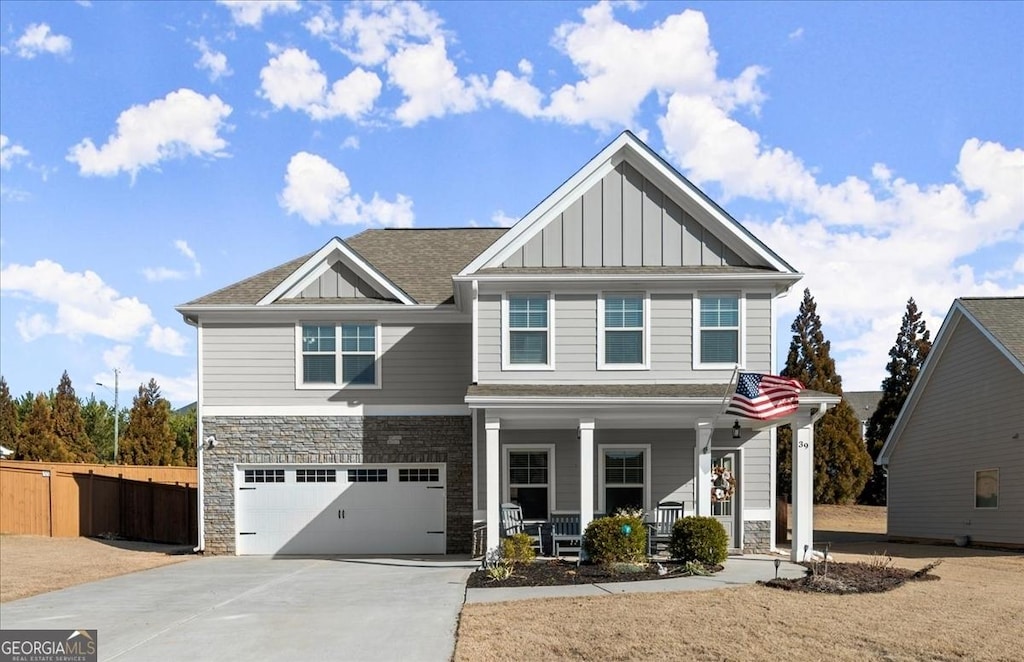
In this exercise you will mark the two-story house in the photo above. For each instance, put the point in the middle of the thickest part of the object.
(386, 393)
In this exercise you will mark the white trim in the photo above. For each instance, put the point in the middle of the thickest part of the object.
(757, 514)
(506, 363)
(200, 441)
(340, 409)
(601, 449)
(378, 358)
(476, 331)
(741, 353)
(645, 333)
(506, 488)
(476, 464)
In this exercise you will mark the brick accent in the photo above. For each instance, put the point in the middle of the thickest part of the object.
(757, 537)
(336, 440)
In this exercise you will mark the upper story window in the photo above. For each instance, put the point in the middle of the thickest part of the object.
(717, 330)
(528, 327)
(622, 337)
(347, 350)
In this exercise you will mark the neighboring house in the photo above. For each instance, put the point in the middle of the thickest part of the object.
(864, 404)
(956, 453)
(386, 393)
(5, 451)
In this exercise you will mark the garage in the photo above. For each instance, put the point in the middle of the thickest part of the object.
(340, 509)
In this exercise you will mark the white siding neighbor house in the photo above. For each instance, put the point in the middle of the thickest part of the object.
(956, 453)
(388, 392)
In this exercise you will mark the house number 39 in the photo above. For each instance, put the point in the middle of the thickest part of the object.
(802, 444)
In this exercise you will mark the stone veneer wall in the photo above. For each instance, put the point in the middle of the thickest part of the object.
(757, 537)
(336, 440)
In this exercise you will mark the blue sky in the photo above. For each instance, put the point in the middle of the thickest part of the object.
(154, 152)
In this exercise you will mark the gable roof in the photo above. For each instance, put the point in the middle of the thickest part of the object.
(627, 147)
(1000, 320)
(864, 403)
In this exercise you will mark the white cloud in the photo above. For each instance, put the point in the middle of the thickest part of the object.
(250, 13)
(796, 35)
(370, 33)
(166, 340)
(431, 84)
(187, 251)
(294, 80)
(184, 123)
(158, 274)
(179, 391)
(501, 219)
(321, 193)
(214, 62)
(37, 39)
(10, 152)
(351, 142)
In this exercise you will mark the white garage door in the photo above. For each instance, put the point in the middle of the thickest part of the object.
(330, 509)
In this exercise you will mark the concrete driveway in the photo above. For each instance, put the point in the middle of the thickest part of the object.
(257, 608)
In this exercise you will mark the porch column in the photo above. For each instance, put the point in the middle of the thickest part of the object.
(493, 428)
(803, 487)
(702, 467)
(586, 472)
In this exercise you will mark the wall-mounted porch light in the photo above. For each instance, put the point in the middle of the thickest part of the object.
(736, 430)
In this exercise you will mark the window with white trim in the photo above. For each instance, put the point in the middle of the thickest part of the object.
(624, 478)
(529, 481)
(351, 362)
(263, 476)
(986, 488)
(622, 330)
(528, 325)
(316, 476)
(718, 330)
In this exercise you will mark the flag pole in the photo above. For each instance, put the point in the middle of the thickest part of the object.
(725, 404)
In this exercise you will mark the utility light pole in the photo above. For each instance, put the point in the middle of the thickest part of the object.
(117, 413)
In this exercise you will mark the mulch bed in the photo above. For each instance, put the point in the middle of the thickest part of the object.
(563, 573)
(847, 578)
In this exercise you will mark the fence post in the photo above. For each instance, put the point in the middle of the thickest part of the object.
(152, 510)
(120, 505)
(89, 504)
(49, 499)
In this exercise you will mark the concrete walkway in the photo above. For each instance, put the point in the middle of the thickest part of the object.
(739, 571)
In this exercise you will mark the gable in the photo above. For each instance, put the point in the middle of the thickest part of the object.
(338, 282)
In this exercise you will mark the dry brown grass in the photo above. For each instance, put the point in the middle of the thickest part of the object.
(973, 612)
(30, 565)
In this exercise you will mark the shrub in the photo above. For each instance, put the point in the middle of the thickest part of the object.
(616, 539)
(517, 548)
(701, 539)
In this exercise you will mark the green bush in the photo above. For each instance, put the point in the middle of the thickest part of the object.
(517, 548)
(616, 539)
(701, 539)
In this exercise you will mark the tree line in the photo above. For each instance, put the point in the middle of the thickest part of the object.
(844, 462)
(61, 427)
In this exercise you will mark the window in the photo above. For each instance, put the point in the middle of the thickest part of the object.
(315, 476)
(528, 329)
(419, 475)
(263, 476)
(718, 330)
(624, 472)
(529, 481)
(367, 475)
(621, 336)
(986, 488)
(356, 354)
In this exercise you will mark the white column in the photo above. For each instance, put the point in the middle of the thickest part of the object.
(493, 428)
(702, 468)
(803, 489)
(586, 434)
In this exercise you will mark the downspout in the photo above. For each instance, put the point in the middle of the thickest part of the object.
(200, 501)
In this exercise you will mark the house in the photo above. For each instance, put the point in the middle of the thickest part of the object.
(387, 392)
(955, 455)
(864, 404)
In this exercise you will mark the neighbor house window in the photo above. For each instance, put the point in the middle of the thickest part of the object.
(622, 331)
(718, 330)
(347, 350)
(530, 481)
(986, 488)
(528, 329)
(624, 476)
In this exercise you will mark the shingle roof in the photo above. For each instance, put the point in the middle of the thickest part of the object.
(607, 391)
(864, 403)
(1004, 319)
(639, 270)
(421, 262)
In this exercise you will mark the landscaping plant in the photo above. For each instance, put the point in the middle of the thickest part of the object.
(700, 539)
(621, 538)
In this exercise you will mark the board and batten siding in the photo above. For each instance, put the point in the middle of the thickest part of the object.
(965, 420)
(338, 282)
(575, 349)
(247, 365)
(623, 220)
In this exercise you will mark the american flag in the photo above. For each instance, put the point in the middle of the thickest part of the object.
(764, 397)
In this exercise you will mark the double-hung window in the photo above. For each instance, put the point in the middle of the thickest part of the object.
(339, 354)
(529, 481)
(624, 477)
(622, 337)
(718, 330)
(528, 325)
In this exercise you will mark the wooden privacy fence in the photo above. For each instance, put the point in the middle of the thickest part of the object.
(50, 499)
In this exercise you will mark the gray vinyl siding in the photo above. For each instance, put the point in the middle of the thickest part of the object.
(755, 475)
(970, 416)
(338, 282)
(575, 347)
(623, 220)
(243, 364)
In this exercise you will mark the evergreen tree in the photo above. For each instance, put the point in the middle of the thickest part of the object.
(841, 462)
(906, 357)
(147, 438)
(9, 421)
(37, 440)
(99, 425)
(184, 426)
(68, 424)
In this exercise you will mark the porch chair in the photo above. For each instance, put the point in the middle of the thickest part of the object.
(565, 533)
(660, 529)
(512, 523)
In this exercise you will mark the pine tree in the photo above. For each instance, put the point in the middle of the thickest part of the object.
(99, 425)
(37, 440)
(184, 427)
(906, 357)
(9, 420)
(148, 438)
(68, 424)
(841, 463)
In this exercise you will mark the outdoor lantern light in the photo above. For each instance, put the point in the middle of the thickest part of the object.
(736, 430)
(777, 563)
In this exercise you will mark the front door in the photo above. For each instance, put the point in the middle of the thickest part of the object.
(724, 484)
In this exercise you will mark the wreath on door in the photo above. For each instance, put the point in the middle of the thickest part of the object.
(723, 485)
